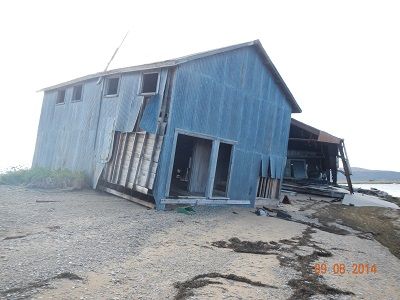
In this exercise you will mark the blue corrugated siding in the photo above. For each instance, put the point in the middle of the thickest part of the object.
(67, 132)
(230, 96)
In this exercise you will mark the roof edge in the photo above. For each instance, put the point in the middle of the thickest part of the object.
(293, 102)
(173, 62)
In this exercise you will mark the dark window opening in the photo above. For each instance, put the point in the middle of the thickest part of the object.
(112, 86)
(222, 170)
(149, 83)
(191, 165)
(77, 93)
(60, 96)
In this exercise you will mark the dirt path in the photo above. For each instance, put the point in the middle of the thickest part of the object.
(118, 250)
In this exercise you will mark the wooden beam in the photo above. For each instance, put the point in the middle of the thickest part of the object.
(116, 157)
(345, 167)
(132, 135)
(128, 197)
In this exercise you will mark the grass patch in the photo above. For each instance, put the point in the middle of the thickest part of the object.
(43, 178)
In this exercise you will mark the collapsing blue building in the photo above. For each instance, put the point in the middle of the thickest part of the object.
(207, 129)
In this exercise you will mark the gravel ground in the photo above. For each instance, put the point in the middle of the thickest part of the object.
(124, 251)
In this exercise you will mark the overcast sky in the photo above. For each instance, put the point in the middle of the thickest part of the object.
(340, 59)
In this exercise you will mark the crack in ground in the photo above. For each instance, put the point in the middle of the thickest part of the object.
(185, 288)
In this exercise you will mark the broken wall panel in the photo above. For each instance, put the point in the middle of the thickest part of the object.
(129, 103)
(134, 161)
(151, 113)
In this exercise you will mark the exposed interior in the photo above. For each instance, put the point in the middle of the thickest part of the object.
(191, 165)
(309, 158)
(222, 170)
(296, 168)
(313, 156)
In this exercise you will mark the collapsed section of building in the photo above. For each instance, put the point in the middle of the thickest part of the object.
(210, 128)
(313, 160)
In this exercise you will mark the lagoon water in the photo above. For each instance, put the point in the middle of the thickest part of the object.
(390, 188)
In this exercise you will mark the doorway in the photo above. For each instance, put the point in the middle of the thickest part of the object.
(191, 166)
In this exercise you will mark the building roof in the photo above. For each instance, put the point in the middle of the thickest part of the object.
(177, 61)
(322, 136)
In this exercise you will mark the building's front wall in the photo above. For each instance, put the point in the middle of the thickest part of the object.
(230, 96)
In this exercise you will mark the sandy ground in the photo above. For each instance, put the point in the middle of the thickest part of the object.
(124, 251)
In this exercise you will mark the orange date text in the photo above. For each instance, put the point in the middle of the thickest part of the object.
(341, 269)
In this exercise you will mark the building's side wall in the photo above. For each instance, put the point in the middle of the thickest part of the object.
(67, 132)
(230, 96)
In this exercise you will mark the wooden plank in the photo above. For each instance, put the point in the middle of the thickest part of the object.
(115, 158)
(205, 201)
(123, 155)
(128, 197)
(140, 189)
(150, 184)
(140, 161)
(141, 179)
(128, 160)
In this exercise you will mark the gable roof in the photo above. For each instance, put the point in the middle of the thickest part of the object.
(177, 61)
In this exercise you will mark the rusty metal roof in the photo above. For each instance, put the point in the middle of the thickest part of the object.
(322, 136)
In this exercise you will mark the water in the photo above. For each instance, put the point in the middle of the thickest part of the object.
(390, 188)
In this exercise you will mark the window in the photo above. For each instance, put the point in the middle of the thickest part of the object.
(77, 93)
(60, 96)
(149, 83)
(112, 85)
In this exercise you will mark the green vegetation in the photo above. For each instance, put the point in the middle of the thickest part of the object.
(43, 178)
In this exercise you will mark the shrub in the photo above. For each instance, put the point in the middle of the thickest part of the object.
(43, 178)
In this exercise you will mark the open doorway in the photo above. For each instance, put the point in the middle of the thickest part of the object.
(222, 170)
(191, 165)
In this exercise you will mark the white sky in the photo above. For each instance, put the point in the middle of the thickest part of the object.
(340, 59)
